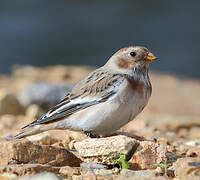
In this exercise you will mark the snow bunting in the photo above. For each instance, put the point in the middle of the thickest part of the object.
(104, 101)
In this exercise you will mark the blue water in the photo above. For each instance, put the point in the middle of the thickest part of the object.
(87, 32)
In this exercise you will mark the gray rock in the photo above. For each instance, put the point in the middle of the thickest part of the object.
(43, 94)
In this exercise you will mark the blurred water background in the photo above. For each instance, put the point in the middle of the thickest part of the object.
(50, 32)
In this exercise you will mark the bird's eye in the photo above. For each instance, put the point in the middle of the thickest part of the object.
(133, 54)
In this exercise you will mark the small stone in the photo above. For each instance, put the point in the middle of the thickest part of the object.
(44, 138)
(9, 104)
(194, 133)
(67, 171)
(148, 154)
(77, 177)
(88, 176)
(106, 150)
(192, 143)
(4, 161)
(33, 111)
(185, 168)
(77, 136)
(141, 173)
(42, 176)
(103, 172)
(71, 144)
(189, 151)
(2, 177)
(10, 176)
(135, 175)
(161, 178)
(8, 121)
(27, 169)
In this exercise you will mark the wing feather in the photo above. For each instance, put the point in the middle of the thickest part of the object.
(98, 87)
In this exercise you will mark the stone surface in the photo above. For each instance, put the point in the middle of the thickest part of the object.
(67, 171)
(28, 169)
(44, 138)
(148, 153)
(9, 104)
(105, 150)
(9, 176)
(8, 121)
(189, 151)
(187, 168)
(42, 176)
(142, 173)
(3, 177)
(24, 151)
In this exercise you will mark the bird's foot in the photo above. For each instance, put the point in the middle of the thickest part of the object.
(89, 134)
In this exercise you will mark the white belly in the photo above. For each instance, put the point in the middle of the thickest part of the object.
(106, 117)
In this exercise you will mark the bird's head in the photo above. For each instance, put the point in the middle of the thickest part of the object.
(129, 59)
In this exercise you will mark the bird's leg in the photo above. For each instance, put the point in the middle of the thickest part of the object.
(89, 134)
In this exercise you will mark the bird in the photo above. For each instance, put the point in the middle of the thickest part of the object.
(104, 101)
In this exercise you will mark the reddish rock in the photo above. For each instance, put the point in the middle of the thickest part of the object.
(24, 151)
(148, 153)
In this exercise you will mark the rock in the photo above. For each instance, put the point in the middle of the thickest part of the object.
(161, 178)
(9, 104)
(77, 136)
(193, 143)
(33, 111)
(67, 171)
(106, 150)
(28, 169)
(44, 138)
(43, 94)
(4, 161)
(88, 176)
(103, 172)
(8, 121)
(147, 154)
(24, 151)
(42, 176)
(9, 176)
(194, 133)
(190, 151)
(2, 177)
(136, 174)
(187, 168)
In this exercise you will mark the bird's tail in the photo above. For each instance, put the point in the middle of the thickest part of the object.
(32, 130)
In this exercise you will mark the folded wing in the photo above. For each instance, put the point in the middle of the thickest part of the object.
(98, 87)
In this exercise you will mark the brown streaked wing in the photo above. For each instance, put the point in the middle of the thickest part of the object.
(88, 92)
